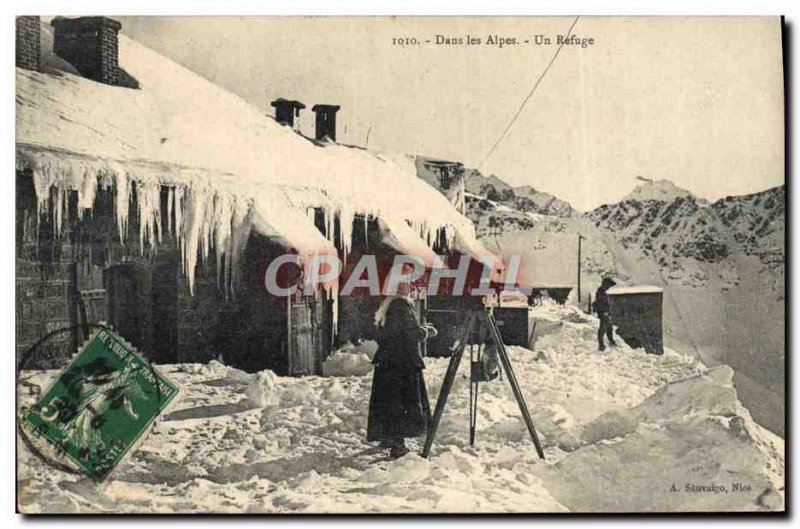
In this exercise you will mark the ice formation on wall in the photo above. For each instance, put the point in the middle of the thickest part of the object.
(230, 167)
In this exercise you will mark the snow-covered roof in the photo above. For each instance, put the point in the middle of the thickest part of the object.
(232, 166)
(638, 289)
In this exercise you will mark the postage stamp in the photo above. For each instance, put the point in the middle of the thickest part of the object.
(100, 405)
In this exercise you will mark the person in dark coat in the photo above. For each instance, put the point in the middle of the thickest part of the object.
(603, 307)
(398, 404)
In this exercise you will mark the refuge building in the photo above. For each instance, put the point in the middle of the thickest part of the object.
(152, 200)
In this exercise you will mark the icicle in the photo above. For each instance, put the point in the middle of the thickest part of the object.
(179, 235)
(205, 229)
(148, 202)
(223, 218)
(335, 307)
(237, 242)
(346, 217)
(329, 224)
(58, 210)
(88, 191)
(196, 235)
(190, 236)
(122, 203)
(170, 205)
(157, 214)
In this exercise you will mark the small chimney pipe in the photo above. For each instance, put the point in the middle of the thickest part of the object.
(286, 110)
(326, 121)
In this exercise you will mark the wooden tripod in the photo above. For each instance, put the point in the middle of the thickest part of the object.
(477, 320)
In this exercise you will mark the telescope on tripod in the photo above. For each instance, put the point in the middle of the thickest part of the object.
(480, 331)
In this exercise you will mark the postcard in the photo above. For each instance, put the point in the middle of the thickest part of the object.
(346, 265)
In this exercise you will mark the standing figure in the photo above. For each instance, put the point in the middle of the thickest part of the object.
(398, 404)
(602, 307)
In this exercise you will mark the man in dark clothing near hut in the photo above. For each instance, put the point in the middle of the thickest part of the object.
(603, 308)
(398, 404)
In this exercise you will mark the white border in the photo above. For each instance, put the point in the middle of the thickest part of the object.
(791, 9)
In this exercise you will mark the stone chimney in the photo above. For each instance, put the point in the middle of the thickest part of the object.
(326, 121)
(90, 44)
(286, 111)
(28, 47)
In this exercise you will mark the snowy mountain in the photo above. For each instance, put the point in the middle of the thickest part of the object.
(683, 226)
(529, 199)
(620, 431)
(666, 230)
(721, 266)
(523, 198)
(663, 190)
(756, 223)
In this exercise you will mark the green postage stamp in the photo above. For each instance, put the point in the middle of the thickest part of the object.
(100, 405)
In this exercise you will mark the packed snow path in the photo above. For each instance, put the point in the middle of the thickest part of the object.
(622, 430)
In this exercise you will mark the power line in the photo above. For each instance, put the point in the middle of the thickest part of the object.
(530, 94)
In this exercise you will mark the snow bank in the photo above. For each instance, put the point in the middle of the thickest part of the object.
(350, 360)
(691, 446)
(618, 428)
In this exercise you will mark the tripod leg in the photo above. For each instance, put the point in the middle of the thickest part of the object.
(447, 384)
(474, 384)
(512, 379)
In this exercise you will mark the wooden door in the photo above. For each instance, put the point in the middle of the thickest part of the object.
(301, 336)
(128, 303)
(309, 328)
(164, 315)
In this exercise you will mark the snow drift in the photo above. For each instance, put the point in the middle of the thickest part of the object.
(619, 430)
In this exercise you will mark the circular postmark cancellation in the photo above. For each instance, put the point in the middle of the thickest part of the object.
(97, 408)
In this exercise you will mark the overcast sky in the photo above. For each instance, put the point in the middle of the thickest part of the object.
(697, 101)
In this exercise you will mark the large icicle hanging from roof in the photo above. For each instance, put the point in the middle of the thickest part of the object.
(148, 201)
(224, 209)
(346, 217)
(192, 237)
(235, 246)
(122, 193)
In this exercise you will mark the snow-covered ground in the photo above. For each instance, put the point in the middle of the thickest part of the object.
(622, 430)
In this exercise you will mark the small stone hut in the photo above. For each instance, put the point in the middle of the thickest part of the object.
(637, 315)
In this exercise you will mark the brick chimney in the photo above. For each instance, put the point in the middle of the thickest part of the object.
(326, 121)
(90, 44)
(28, 47)
(286, 111)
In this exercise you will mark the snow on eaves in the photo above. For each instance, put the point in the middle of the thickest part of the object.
(232, 168)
